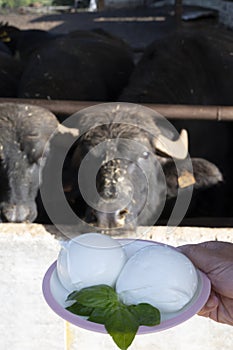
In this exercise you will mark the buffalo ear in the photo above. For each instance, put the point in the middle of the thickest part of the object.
(204, 174)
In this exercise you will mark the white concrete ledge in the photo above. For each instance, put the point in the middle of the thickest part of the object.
(27, 323)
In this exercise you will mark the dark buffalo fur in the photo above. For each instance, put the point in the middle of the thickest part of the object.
(10, 73)
(184, 68)
(81, 65)
(78, 66)
(119, 176)
(193, 67)
(24, 132)
(22, 43)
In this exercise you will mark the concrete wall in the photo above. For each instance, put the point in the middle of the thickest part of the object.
(226, 13)
(216, 4)
(225, 8)
(27, 323)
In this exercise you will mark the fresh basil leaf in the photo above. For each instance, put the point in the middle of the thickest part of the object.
(102, 305)
(79, 309)
(122, 325)
(95, 296)
(146, 314)
(99, 315)
(72, 295)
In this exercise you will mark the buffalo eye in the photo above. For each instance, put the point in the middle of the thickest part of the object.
(33, 147)
(145, 155)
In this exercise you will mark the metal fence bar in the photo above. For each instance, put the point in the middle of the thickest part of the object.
(66, 108)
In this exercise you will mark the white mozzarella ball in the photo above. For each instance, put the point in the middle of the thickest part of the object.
(132, 246)
(90, 259)
(160, 276)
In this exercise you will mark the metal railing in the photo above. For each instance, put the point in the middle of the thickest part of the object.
(66, 108)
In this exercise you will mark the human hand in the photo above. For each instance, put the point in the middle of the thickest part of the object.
(215, 259)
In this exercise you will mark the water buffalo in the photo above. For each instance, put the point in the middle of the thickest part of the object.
(128, 162)
(25, 130)
(82, 65)
(184, 68)
(16, 47)
(194, 68)
(22, 43)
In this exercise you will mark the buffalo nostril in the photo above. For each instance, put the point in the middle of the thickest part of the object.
(107, 219)
(123, 213)
(120, 218)
(17, 213)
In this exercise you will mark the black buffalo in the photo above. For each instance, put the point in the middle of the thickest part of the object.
(194, 68)
(16, 46)
(82, 65)
(25, 130)
(125, 168)
(21, 43)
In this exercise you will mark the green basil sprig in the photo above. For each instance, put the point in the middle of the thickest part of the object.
(102, 305)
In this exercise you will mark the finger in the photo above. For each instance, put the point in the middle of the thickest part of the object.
(204, 313)
(212, 303)
(210, 307)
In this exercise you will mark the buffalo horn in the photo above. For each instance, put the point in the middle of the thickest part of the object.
(174, 148)
(61, 129)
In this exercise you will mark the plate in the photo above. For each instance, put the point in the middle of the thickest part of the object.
(55, 295)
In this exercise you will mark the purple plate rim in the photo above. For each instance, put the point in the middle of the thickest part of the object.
(200, 301)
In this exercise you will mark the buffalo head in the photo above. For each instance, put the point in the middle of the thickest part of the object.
(25, 130)
(128, 161)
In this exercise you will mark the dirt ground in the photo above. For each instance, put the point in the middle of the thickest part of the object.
(137, 26)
